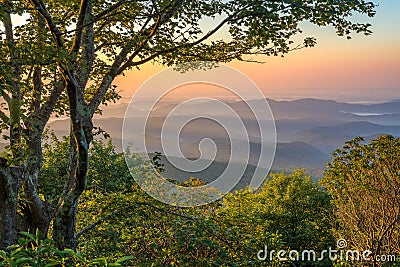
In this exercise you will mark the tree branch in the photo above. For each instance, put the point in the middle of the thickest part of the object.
(233, 17)
(53, 28)
(116, 212)
(102, 15)
(83, 12)
(37, 70)
(173, 49)
(88, 53)
(100, 221)
(15, 103)
(47, 108)
(110, 9)
(143, 44)
(116, 69)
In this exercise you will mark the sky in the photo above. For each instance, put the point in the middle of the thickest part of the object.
(363, 69)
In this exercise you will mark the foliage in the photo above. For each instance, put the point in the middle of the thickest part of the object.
(54, 169)
(289, 207)
(105, 163)
(156, 162)
(117, 218)
(364, 182)
(121, 35)
(34, 251)
(64, 56)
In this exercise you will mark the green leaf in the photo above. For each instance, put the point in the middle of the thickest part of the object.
(123, 259)
(52, 263)
(23, 260)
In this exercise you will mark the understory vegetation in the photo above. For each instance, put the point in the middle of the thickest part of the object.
(73, 202)
(119, 224)
(116, 218)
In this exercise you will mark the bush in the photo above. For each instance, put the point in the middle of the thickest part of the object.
(31, 250)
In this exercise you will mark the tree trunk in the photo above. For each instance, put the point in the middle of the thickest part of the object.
(64, 228)
(9, 187)
(38, 215)
(81, 130)
(64, 222)
(81, 137)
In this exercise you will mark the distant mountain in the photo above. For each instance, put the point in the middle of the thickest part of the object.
(316, 109)
(383, 119)
(330, 138)
(288, 157)
(307, 129)
(284, 126)
(298, 154)
(307, 109)
(319, 104)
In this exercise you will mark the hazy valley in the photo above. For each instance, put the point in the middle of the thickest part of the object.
(308, 130)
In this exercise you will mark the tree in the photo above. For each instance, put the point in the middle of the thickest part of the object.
(290, 208)
(364, 182)
(65, 56)
(115, 218)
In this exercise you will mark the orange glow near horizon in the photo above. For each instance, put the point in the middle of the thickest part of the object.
(364, 68)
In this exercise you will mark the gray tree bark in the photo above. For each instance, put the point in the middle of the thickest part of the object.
(9, 187)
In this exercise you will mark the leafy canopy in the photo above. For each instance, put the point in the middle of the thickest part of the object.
(118, 35)
(364, 182)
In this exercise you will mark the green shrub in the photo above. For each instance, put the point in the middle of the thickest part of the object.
(33, 251)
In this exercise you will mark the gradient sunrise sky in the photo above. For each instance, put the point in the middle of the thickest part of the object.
(364, 69)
